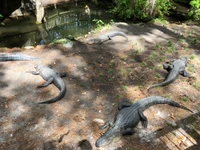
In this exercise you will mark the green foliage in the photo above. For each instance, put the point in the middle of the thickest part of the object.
(60, 41)
(162, 7)
(99, 23)
(124, 87)
(141, 9)
(1, 18)
(185, 98)
(194, 12)
(123, 9)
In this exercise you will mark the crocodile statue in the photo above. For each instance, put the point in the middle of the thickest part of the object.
(129, 116)
(174, 68)
(15, 57)
(51, 76)
(106, 37)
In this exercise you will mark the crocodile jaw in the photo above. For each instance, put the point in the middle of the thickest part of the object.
(107, 137)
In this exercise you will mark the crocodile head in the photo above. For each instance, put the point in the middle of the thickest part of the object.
(185, 59)
(108, 137)
(38, 67)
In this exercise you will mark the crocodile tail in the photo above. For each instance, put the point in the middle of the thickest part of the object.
(15, 57)
(153, 86)
(175, 104)
(162, 100)
(120, 34)
(57, 98)
(157, 85)
(147, 102)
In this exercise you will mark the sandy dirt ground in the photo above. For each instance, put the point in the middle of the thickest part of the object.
(99, 79)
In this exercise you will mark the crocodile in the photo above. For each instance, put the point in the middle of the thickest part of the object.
(174, 68)
(106, 37)
(51, 76)
(15, 57)
(129, 116)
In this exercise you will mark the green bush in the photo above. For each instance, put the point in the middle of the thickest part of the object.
(194, 12)
(141, 9)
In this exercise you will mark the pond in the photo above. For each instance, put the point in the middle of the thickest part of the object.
(66, 19)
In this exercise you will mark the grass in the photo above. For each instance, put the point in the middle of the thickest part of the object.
(154, 56)
(168, 96)
(195, 85)
(124, 87)
(182, 40)
(158, 75)
(123, 72)
(143, 64)
(60, 41)
(112, 64)
(160, 21)
(110, 71)
(133, 54)
(101, 25)
(157, 46)
(171, 47)
(129, 69)
(185, 98)
(193, 56)
(187, 49)
(119, 96)
(191, 68)
(124, 58)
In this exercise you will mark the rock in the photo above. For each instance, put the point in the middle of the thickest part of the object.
(99, 121)
(171, 122)
(69, 44)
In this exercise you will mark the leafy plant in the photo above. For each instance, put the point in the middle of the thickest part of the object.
(193, 56)
(194, 12)
(99, 23)
(61, 41)
(1, 16)
(141, 9)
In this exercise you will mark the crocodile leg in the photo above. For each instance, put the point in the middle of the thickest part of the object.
(50, 80)
(107, 124)
(124, 106)
(167, 67)
(34, 72)
(61, 74)
(185, 74)
(128, 131)
(102, 41)
(143, 118)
